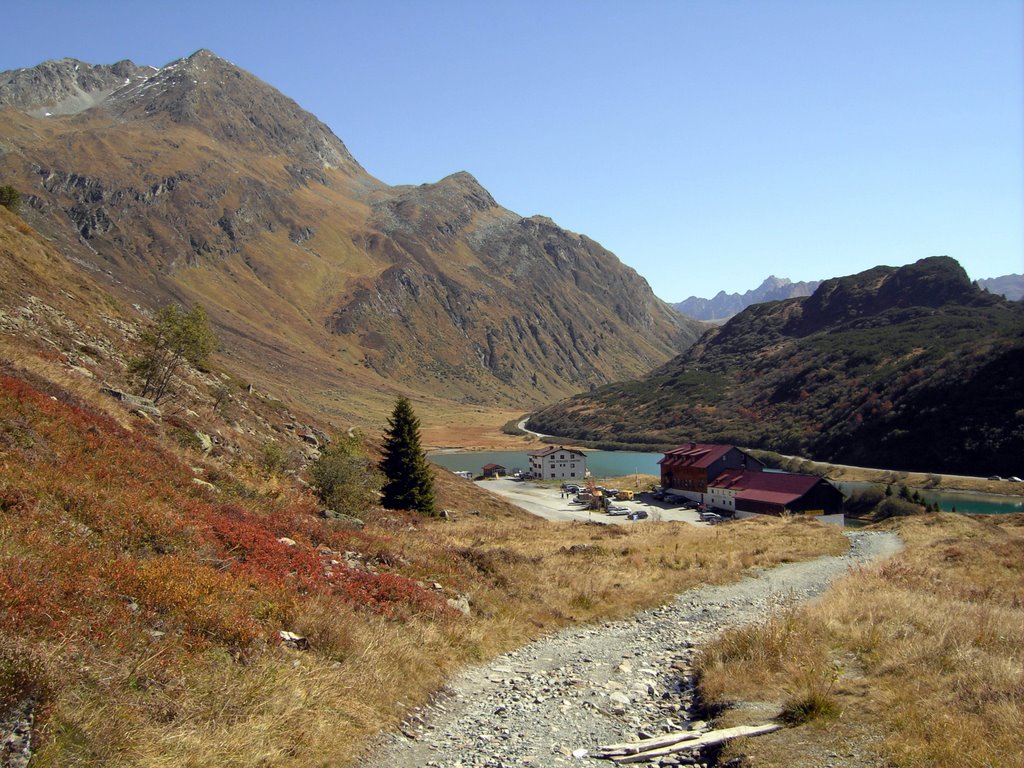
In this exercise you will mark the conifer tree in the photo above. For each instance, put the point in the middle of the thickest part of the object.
(410, 484)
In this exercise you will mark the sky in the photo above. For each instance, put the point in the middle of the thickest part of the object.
(707, 143)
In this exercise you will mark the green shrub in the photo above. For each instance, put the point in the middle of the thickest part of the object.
(344, 478)
(10, 198)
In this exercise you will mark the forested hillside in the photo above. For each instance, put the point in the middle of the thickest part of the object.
(905, 368)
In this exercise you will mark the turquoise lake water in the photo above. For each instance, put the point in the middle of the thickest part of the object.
(618, 463)
(600, 463)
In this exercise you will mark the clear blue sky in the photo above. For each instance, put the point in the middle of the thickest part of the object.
(708, 143)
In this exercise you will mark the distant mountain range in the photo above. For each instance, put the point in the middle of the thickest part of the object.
(199, 182)
(725, 305)
(1009, 286)
(912, 368)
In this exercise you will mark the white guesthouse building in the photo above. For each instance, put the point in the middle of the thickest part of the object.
(558, 464)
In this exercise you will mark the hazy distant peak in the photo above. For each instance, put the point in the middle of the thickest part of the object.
(725, 305)
(1009, 286)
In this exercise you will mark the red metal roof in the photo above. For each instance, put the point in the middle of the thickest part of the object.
(492, 466)
(770, 487)
(700, 455)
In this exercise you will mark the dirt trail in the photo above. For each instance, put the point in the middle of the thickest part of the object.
(552, 701)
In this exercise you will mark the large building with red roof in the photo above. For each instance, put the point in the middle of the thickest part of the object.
(688, 469)
(726, 479)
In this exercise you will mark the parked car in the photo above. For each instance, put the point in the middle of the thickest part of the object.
(658, 495)
(711, 517)
(637, 514)
(995, 477)
(1014, 479)
(690, 504)
(617, 510)
(571, 487)
(671, 498)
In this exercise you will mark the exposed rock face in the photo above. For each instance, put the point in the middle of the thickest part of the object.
(725, 305)
(66, 86)
(533, 305)
(198, 181)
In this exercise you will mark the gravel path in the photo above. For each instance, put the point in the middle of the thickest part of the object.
(549, 702)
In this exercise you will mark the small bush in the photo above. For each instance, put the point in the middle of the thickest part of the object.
(22, 675)
(10, 198)
(345, 479)
(813, 699)
(813, 705)
(273, 458)
(896, 507)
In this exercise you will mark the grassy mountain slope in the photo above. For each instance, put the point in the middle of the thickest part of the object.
(909, 368)
(140, 611)
(146, 573)
(200, 182)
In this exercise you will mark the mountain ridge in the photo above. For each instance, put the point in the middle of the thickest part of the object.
(909, 368)
(199, 182)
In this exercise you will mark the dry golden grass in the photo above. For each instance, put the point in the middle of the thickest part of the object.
(922, 657)
(165, 684)
(131, 700)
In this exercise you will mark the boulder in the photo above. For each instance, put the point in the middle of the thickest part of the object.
(205, 441)
(143, 404)
(293, 640)
(341, 519)
(461, 604)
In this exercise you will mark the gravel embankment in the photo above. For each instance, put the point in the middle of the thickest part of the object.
(585, 687)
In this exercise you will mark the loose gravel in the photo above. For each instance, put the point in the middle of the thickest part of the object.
(555, 701)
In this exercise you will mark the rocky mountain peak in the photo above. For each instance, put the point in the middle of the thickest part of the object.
(201, 90)
(439, 209)
(234, 106)
(200, 188)
(66, 86)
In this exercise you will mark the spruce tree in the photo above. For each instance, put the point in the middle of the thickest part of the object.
(410, 484)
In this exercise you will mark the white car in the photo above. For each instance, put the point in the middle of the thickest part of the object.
(616, 510)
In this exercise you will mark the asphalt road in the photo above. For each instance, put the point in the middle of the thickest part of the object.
(547, 501)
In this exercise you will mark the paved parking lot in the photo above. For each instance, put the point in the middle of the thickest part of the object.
(547, 501)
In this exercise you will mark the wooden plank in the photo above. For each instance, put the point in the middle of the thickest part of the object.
(705, 740)
(632, 747)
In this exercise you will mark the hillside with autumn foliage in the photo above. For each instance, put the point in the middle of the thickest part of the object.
(158, 604)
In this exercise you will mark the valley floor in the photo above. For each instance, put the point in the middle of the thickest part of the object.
(548, 502)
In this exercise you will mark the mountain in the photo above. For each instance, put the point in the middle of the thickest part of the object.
(1008, 286)
(725, 305)
(909, 368)
(199, 182)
